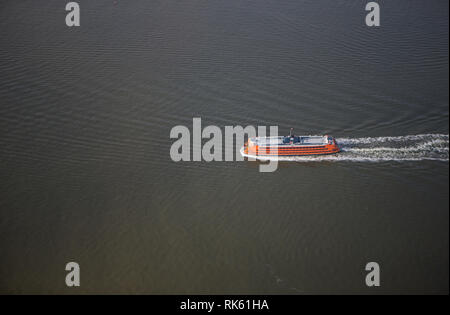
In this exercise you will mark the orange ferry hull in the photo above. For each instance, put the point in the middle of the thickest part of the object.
(290, 151)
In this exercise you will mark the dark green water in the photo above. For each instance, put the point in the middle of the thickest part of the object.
(86, 176)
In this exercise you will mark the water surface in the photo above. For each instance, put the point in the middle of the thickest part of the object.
(86, 176)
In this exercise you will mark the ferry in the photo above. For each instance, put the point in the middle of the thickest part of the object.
(290, 145)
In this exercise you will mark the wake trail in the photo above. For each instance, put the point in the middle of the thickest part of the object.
(420, 147)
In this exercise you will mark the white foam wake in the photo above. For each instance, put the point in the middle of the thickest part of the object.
(377, 149)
